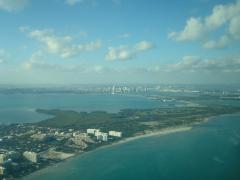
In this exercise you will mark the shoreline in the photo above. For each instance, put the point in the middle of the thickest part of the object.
(146, 134)
(162, 132)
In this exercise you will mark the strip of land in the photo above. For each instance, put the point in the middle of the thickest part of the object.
(66, 134)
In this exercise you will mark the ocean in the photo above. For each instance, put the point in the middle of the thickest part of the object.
(210, 151)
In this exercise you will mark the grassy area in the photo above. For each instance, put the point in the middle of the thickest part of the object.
(132, 121)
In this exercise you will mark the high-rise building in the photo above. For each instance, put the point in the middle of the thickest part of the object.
(31, 156)
(92, 131)
(113, 90)
(104, 136)
(115, 133)
(101, 136)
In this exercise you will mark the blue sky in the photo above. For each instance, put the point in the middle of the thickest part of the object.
(119, 41)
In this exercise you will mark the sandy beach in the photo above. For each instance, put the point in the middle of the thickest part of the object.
(146, 134)
(161, 132)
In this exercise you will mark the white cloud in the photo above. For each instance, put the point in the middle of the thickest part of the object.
(24, 29)
(3, 56)
(46, 66)
(195, 63)
(201, 27)
(99, 69)
(125, 52)
(73, 2)
(12, 5)
(154, 69)
(119, 53)
(61, 45)
(187, 63)
(123, 36)
(116, 1)
(38, 62)
(220, 43)
(144, 45)
(193, 30)
(92, 2)
(234, 27)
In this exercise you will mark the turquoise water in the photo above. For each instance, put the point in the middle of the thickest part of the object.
(210, 151)
(21, 107)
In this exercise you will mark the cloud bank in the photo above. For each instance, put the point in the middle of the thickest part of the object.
(197, 28)
(125, 52)
(12, 5)
(63, 46)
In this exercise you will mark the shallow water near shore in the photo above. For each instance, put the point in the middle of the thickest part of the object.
(20, 108)
(208, 151)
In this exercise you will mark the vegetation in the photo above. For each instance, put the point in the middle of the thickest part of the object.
(132, 121)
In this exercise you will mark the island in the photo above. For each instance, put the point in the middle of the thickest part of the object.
(26, 148)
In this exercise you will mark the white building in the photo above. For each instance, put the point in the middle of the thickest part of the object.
(85, 137)
(31, 156)
(76, 133)
(39, 136)
(3, 158)
(113, 90)
(101, 136)
(92, 131)
(1, 170)
(79, 141)
(104, 136)
(115, 133)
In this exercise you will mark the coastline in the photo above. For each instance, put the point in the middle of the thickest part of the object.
(146, 134)
(162, 132)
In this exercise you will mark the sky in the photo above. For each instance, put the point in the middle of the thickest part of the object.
(119, 41)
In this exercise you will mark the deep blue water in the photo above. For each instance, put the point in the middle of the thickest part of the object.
(210, 151)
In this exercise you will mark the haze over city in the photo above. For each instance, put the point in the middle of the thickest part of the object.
(119, 41)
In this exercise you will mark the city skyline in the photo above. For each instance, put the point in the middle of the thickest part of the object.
(119, 41)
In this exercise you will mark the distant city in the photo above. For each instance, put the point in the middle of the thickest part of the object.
(224, 90)
(28, 147)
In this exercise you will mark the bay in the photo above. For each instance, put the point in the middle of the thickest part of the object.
(20, 108)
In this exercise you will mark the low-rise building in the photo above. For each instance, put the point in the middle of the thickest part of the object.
(39, 136)
(92, 131)
(31, 156)
(115, 133)
(1, 171)
(84, 137)
(76, 133)
(79, 141)
(3, 157)
(8, 155)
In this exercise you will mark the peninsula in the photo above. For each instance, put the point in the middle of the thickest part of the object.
(29, 147)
